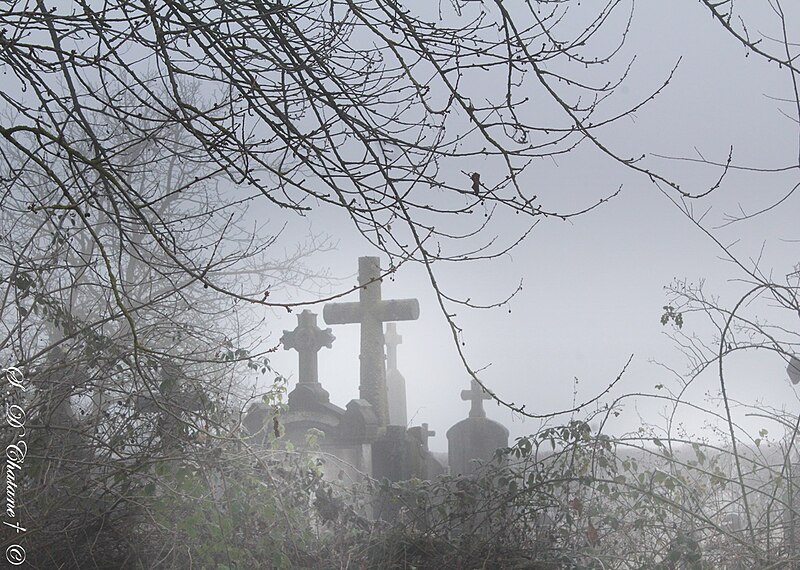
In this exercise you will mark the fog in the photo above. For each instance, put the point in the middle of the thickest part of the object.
(594, 286)
(588, 208)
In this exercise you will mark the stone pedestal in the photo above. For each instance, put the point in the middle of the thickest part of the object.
(307, 395)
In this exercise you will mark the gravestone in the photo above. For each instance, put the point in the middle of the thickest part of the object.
(422, 433)
(432, 466)
(309, 402)
(177, 395)
(475, 438)
(354, 439)
(371, 311)
(343, 436)
(395, 383)
(397, 455)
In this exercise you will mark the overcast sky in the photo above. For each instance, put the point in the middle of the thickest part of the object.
(594, 286)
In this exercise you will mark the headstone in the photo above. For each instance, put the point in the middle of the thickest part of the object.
(359, 424)
(397, 456)
(57, 383)
(395, 383)
(256, 419)
(422, 433)
(65, 444)
(309, 402)
(475, 438)
(432, 466)
(357, 431)
(307, 339)
(371, 311)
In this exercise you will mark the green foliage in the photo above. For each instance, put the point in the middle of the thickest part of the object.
(229, 517)
(565, 497)
(570, 498)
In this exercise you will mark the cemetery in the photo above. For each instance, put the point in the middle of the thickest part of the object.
(370, 435)
(400, 285)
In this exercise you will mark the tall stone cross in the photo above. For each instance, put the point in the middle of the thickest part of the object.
(395, 383)
(477, 395)
(307, 339)
(392, 339)
(371, 311)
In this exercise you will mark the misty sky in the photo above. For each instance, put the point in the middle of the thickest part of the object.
(594, 286)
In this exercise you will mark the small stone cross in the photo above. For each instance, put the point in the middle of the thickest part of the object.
(392, 339)
(421, 434)
(426, 433)
(307, 339)
(477, 394)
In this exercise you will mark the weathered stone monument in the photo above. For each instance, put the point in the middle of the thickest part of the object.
(307, 339)
(475, 438)
(422, 433)
(356, 436)
(397, 456)
(395, 383)
(343, 434)
(309, 402)
(432, 467)
(309, 405)
(397, 453)
(371, 311)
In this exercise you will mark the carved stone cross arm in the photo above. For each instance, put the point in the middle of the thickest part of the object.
(383, 311)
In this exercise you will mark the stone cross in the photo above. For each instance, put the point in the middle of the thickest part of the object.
(426, 433)
(392, 339)
(371, 312)
(307, 339)
(395, 383)
(477, 394)
(422, 434)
